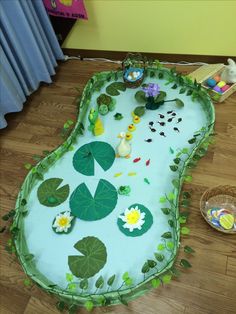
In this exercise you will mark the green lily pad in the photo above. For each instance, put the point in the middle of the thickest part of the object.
(86, 207)
(145, 227)
(114, 88)
(50, 195)
(92, 259)
(103, 153)
(139, 111)
(140, 96)
(160, 97)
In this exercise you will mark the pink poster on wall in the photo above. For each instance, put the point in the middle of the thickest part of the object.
(72, 9)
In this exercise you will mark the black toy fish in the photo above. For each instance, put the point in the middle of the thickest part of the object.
(162, 134)
(149, 140)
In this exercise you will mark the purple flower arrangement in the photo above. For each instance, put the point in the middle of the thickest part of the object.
(151, 90)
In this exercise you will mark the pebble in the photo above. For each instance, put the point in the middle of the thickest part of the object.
(225, 88)
(217, 89)
(217, 78)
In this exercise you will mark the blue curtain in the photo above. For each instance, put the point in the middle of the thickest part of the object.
(28, 52)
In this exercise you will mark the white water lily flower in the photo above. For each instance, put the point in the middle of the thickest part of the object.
(133, 218)
(63, 222)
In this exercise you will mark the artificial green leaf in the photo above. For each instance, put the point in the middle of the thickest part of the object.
(23, 202)
(166, 278)
(102, 152)
(2, 229)
(182, 220)
(27, 282)
(72, 309)
(175, 183)
(60, 305)
(192, 140)
(185, 203)
(171, 196)
(160, 247)
(99, 283)
(72, 286)
(29, 257)
(188, 249)
(189, 92)
(185, 150)
(162, 199)
(140, 96)
(170, 245)
(90, 208)
(197, 157)
(184, 214)
(50, 195)
(182, 90)
(122, 300)
(145, 269)
(173, 168)
(118, 116)
(167, 235)
(92, 260)
(185, 264)
(114, 88)
(175, 272)
(27, 166)
(39, 176)
(185, 230)
(179, 103)
(69, 277)
(128, 281)
(160, 97)
(186, 195)
(151, 263)
(139, 111)
(102, 300)
(83, 284)
(177, 161)
(171, 223)
(171, 150)
(89, 305)
(105, 100)
(160, 75)
(156, 283)
(188, 178)
(152, 74)
(159, 257)
(125, 276)
(111, 280)
(165, 211)
(174, 86)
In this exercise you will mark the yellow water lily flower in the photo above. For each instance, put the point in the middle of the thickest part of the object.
(133, 218)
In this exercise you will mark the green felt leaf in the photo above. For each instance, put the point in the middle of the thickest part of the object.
(145, 227)
(89, 305)
(166, 278)
(185, 230)
(175, 183)
(140, 96)
(167, 235)
(102, 152)
(161, 247)
(174, 86)
(151, 263)
(90, 208)
(179, 103)
(188, 249)
(145, 269)
(92, 259)
(159, 257)
(160, 97)
(99, 283)
(165, 211)
(114, 88)
(139, 111)
(162, 199)
(173, 168)
(189, 92)
(182, 90)
(177, 161)
(156, 283)
(171, 223)
(192, 140)
(111, 280)
(84, 284)
(50, 195)
(185, 264)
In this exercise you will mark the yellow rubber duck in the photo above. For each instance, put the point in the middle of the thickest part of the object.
(131, 128)
(124, 148)
(128, 136)
(136, 119)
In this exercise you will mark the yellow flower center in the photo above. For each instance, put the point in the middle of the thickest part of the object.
(63, 221)
(133, 217)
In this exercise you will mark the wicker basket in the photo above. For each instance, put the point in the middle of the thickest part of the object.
(220, 196)
(136, 61)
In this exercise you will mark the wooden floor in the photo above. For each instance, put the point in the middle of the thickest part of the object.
(209, 287)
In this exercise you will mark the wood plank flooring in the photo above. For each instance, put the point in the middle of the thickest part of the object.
(209, 287)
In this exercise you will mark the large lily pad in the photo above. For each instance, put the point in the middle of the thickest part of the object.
(114, 88)
(103, 153)
(92, 260)
(50, 195)
(86, 207)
